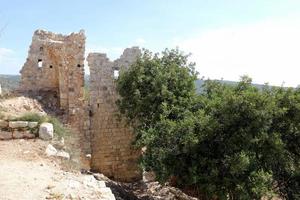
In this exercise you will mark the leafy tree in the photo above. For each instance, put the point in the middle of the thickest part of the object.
(229, 142)
(155, 87)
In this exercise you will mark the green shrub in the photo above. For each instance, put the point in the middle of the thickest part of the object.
(233, 141)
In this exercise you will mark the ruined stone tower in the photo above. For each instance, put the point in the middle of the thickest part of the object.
(55, 64)
(111, 139)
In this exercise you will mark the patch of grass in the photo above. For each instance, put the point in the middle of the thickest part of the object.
(59, 129)
(2, 115)
(32, 117)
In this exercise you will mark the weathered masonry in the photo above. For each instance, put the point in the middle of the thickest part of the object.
(112, 152)
(55, 64)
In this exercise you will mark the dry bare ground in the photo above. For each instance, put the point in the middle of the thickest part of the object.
(16, 106)
(28, 174)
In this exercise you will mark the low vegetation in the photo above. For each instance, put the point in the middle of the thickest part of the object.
(59, 129)
(228, 142)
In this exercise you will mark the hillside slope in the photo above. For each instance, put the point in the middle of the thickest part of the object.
(9, 82)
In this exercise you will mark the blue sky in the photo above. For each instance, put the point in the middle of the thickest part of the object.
(227, 38)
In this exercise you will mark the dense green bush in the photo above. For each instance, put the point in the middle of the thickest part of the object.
(230, 141)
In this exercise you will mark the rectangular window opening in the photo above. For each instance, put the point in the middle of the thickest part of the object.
(116, 74)
(40, 62)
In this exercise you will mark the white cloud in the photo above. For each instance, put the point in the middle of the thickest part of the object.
(5, 54)
(9, 62)
(140, 41)
(268, 51)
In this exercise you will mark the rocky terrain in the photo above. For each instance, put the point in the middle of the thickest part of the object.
(27, 173)
(49, 168)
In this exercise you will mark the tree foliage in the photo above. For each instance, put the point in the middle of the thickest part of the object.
(230, 141)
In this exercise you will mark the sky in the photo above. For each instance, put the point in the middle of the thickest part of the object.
(226, 38)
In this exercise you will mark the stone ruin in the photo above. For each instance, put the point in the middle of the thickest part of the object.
(55, 65)
(111, 138)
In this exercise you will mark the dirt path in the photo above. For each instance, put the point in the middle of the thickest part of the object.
(23, 172)
(27, 174)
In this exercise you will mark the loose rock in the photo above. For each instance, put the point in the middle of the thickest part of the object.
(46, 131)
(63, 155)
(50, 150)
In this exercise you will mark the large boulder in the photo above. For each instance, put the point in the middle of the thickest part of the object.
(46, 131)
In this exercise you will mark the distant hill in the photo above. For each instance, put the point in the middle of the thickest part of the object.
(11, 82)
(199, 84)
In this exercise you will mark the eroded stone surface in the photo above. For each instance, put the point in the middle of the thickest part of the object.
(63, 154)
(28, 135)
(55, 66)
(46, 131)
(33, 124)
(111, 139)
(55, 63)
(50, 150)
(3, 124)
(54, 74)
(5, 135)
(18, 124)
(18, 134)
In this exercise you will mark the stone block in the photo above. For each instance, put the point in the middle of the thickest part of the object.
(46, 131)
(3, 124)
(17, 134)
(18, 124)
(5, 135)
(28, 135)
(63, 154)
(50, 150)
(33, 124)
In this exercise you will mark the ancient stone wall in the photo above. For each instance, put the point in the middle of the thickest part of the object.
(55, 67)
(55, 63)
(111, 139)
